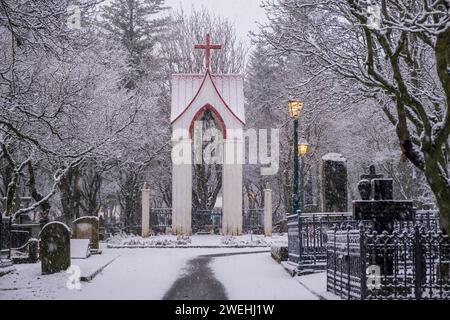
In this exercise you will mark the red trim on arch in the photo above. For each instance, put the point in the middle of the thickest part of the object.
(198, 92)
(199, 113)
(226, 105)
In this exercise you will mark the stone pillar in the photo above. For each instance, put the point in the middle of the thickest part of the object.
(232, 187)
(145, 211)
(182, 187)
(334, 183)
(268, 212)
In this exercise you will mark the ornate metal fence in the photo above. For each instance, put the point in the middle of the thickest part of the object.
(412, 264)
(428, 219)
(253, 221)
(313, 237)
(160, 219)
(11, 237)
(293, 238)
(206, 220)
(344, 266)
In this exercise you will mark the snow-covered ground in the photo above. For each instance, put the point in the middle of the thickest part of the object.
(195, 241)
(257, 277)
(317, 284)
(149, 273)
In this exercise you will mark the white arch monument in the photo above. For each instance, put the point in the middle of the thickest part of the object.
(192, 95)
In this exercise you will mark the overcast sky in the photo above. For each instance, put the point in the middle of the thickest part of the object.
(243, 13)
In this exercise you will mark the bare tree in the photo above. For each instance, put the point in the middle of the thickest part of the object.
(400, 58)
(55, 97)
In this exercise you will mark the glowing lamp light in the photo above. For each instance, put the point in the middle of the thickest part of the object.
(303, 148)
(295, 108)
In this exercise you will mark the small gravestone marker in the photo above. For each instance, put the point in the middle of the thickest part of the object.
(54, 247)
(87, 228)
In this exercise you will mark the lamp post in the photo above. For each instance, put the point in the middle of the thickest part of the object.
(302, 151)
(295, 108)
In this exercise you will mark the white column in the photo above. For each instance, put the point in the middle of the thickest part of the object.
(232, 187)
(181, 187)
(268, 212)
(145, 211)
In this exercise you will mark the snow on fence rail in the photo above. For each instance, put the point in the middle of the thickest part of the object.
(308, 234)
(406, 265)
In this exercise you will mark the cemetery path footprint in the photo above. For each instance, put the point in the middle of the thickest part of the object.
(199, 283)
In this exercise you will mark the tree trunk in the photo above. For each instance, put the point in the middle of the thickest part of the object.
(70, 195)
(45, 206)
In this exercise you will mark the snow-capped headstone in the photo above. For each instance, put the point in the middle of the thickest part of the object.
(334, 183)
(87, 228)
(54, 247)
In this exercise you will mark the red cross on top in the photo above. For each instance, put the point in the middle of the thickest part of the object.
(207, 47)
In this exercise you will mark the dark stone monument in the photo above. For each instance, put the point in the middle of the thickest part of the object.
(87, 228)
(382, 189)
(334, 183)
(377, 205)
(365, 189)
(55, 247)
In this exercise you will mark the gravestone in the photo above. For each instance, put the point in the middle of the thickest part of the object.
(334, 183)
(377, 205)
(54, 247)
(382, 189)
(87, 228)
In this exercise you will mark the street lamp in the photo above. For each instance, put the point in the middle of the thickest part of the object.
(303, 147)
(295, 108)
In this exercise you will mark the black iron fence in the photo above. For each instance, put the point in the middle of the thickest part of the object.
(160, 219)
(206, 220)
(307, 236)
(308, 233)
(253, 221)
(313, 229)
(428, 219)
(11, 237)
(203, 221)
(412, 264)
(293, 238)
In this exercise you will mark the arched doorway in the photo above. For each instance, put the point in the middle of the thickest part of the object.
(207, 131)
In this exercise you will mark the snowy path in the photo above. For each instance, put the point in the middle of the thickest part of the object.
(151, 273)
(198, 283)
(257, 277)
